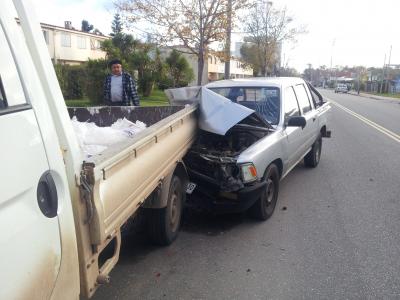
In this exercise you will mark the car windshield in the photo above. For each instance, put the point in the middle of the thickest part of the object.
(264, 100)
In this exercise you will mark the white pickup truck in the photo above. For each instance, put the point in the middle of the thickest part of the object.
(241, 168)
(61, 215)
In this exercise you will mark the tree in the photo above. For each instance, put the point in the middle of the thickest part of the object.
(116, 25)
(120, 46)
(178, 69)
(86, 27)
(289, 72)
(268, 28)
(150, 68)
(195, 23)
(250, 57)
(97, 31)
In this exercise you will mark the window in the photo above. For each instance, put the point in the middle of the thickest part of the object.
(11, 91)
(46, 36)
(316, 97)
(81, 41)
(264, 100)
(210, 60)
(302, 97)
(95, 44)
(3, 101)
(65, 40)
(291, 105)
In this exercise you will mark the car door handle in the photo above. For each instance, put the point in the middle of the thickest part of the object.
(47, 195)
(314, 118)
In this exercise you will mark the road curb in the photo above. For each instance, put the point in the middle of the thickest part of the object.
(373, 97)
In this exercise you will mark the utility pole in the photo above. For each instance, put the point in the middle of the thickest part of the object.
(228, 41)
(333, 44)
(387, 73)
(383, 74)
(267, 11)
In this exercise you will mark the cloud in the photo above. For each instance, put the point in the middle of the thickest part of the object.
(98, 13)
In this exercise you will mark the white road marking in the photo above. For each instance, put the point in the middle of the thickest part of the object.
(378, 127)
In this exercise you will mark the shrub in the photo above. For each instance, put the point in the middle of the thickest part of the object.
(96, 71)
(71, 80)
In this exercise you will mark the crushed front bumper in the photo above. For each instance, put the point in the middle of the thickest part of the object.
(209, 197)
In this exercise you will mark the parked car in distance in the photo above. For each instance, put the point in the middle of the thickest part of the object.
(341, 88)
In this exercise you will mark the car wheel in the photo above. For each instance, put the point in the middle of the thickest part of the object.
(163, 223)
(264, 207)
(313, 157)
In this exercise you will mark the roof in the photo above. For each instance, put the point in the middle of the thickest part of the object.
(49, 26)
(257, 81)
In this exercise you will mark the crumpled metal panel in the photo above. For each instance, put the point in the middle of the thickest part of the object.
(107, 115)
(217, 113)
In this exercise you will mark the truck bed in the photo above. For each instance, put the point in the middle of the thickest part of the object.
(106, 116)
(115, 183)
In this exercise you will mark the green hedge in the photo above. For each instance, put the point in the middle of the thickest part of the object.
(96, 73)
(71, 80)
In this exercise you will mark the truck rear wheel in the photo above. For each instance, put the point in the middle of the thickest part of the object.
(163, 223)
(264, 207)
(313, 157)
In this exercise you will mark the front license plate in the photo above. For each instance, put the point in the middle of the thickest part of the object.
(190, 188)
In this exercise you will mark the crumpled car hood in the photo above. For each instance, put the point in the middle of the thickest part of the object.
(217, 113)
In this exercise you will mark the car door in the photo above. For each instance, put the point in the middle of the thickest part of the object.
(294, 135)
(310, 114)
(29, 229)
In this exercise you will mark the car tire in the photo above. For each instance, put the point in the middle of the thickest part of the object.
(313, 157)
(163, 223)
(264, 207)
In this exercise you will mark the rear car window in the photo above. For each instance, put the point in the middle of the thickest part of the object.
(264, 100)
(302, 97)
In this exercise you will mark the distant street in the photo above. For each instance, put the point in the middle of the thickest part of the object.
(335, 233)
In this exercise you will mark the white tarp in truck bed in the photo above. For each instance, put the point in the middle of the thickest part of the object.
(217, 113)
(94, 139)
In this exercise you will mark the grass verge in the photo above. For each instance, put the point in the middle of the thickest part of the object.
(157, 98)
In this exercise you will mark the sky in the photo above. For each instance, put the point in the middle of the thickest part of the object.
(350, 32)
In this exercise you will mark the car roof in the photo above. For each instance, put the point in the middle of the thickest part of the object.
(279, 82)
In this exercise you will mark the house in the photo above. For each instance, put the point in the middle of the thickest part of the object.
(214, 67)
(68, 45)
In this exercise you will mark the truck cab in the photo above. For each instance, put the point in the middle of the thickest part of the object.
(62, 213)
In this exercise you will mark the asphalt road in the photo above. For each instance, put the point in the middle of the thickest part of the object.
(335, 233)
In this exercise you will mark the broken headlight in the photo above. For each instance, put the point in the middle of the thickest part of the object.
(249, 173)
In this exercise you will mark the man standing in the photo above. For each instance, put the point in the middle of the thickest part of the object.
(119, 87)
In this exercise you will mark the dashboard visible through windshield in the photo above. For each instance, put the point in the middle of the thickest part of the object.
(264, 100)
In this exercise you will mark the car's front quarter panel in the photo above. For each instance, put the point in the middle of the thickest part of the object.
(265, 151)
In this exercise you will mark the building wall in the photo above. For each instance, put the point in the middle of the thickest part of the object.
(82, 45)
(216, 69)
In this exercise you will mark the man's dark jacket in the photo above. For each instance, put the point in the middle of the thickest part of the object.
(129, 93)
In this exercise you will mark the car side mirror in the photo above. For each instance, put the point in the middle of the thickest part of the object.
(296, 121)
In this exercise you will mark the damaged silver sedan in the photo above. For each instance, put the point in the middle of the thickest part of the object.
(252, 133)
(222, 184)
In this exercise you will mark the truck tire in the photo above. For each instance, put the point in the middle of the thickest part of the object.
(264, 207)
(163, 223)
(313, 157)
